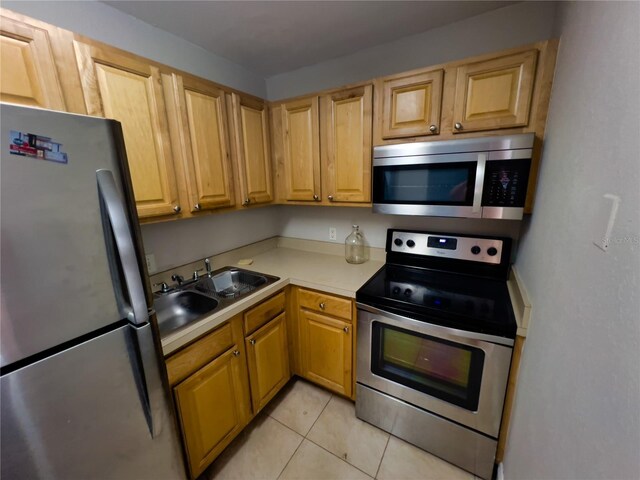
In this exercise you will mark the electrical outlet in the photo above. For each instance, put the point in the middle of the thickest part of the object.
(332, 233)
(151, 262)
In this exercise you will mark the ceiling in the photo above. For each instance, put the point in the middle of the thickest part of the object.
(272, 37)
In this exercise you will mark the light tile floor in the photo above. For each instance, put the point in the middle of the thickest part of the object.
(307, 433)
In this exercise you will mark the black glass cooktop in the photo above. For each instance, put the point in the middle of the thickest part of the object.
(453, 300)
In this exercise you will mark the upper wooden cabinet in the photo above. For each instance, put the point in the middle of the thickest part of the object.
(494, 93)
(28, 75)
(252, 149)
(346, 144)
(411, 104)
(301, 150)
(201, 132)
(127, 89)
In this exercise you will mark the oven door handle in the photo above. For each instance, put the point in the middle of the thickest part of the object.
(438, 330)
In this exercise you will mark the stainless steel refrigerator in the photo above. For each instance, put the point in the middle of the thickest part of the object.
(82, 393)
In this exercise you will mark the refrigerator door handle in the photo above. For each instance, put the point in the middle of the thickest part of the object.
(114, 205)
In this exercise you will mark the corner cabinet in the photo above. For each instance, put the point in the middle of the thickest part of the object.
(252, 149)
(326, 336)
(346, 144)
(125, 88)
(494, 93)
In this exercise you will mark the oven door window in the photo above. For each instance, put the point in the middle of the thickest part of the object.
(429, 184)
(437, 367)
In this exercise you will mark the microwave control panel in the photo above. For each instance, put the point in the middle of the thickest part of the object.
(505, 183)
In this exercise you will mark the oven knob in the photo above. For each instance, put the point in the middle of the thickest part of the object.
(476, 249)
(398, 242)
(407, 292)
(396, 290)
(411, 243)
(492, 251)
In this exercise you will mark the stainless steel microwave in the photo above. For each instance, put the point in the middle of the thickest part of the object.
(472, 178)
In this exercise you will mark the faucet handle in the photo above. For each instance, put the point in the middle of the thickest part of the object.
(164, 288)
(195, 273)
(177, 278)
(207, 264)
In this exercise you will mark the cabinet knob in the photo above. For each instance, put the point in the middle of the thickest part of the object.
(458, 126)
(252, 341)
(197, 206)
(316, 198)
(177, 209)
(346, 329)
(433, 129)
(322, 305)
(246, 202)
(236, 353)
(330, 197)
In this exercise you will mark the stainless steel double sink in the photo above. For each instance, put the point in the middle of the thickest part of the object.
(196, 299)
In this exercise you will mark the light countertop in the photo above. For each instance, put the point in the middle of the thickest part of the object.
(323, 271)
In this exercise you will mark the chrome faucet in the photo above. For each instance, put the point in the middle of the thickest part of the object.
(207, 264)
(177, 278)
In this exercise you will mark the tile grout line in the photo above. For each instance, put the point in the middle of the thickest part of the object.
(341, 459)
(290, 458)
(318, 418)
(382, 457)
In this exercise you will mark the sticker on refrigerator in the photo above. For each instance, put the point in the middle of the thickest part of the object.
(36, 146)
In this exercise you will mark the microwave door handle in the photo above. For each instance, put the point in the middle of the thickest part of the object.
(476, 209)
(136, 312)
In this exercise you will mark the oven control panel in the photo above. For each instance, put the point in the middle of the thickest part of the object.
(483, 250)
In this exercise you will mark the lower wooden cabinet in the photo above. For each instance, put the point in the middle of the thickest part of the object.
(326, 342)
(210, 408)
(268, 361)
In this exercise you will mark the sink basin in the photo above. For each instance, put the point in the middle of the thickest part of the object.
(231, 283)
(177, 309)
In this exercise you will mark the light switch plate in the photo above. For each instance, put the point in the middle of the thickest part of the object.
(151, 262)
(332, 233)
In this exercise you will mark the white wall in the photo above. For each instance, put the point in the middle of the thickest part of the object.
(184, 241)
(106, 24)
(312, 223)
(507, 27)
(577, 412)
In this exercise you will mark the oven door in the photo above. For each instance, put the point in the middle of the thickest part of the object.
(436, 185)
(453, 373)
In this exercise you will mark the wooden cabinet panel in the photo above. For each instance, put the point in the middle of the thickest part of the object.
(268, 361)
(346, 145)
(325, 303)
(495, 93)
(125, 88)
(258, 316)
(195, 356)
(253, 152)
(28, 74)
(326, 351)
(411, 105)
(204, 143)
(210, 406)
(301, 149)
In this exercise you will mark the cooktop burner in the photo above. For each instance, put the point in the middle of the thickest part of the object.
(454, 286)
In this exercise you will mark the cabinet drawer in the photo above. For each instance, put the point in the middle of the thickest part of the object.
(258, 316)
(324, 303)
(187, 361)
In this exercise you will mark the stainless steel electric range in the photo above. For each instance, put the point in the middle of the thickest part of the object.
(435, 338)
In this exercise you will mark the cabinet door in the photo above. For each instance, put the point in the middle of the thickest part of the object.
(411, 105)
(268, 360)
(301, 150)
(211, 410)
(346, 145)
(253, 153)
(28, 74)
(494, 93)
(127, 89)
(204, 143)
(326, 351)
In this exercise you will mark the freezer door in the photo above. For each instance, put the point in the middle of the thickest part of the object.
(56, 284)
(84, 414)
